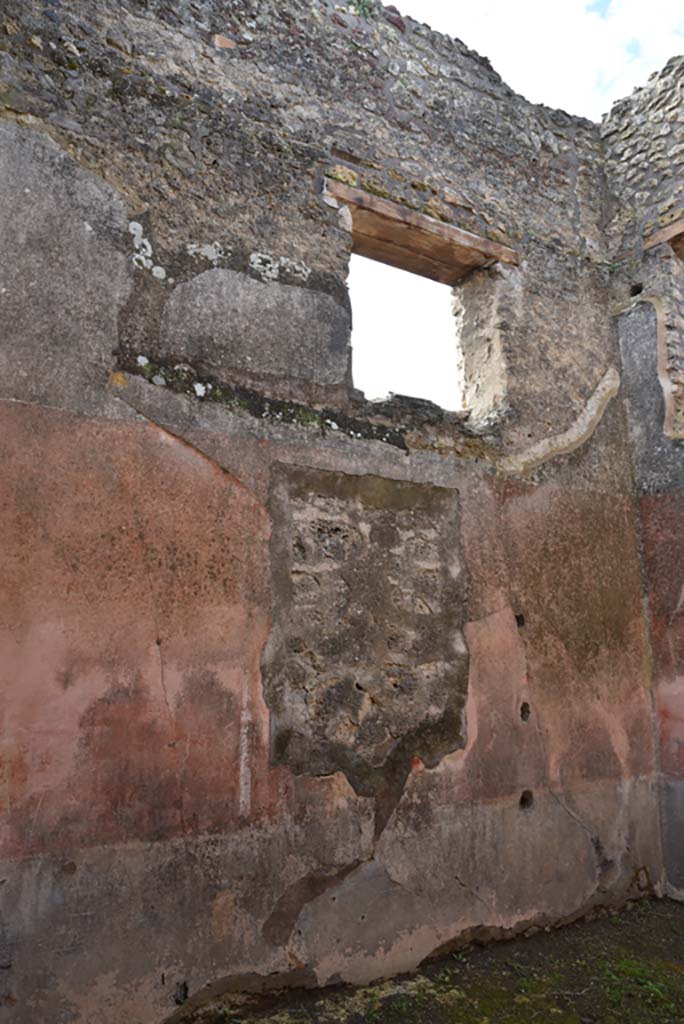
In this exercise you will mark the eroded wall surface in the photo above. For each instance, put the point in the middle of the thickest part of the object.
(645, 149)
(295, 683)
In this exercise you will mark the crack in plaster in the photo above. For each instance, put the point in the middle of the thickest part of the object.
(485, 903)
(118, 384)
(162, 681)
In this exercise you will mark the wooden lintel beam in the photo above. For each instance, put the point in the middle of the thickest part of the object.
(406, 259)
(673, 233)
(392, 233)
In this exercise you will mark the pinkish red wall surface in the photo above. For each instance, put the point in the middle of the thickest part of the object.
(294, 683)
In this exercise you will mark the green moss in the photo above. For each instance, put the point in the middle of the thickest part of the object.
(182, 378)
(621, 969)
(307, 417)
(345, 175)
(375, 187)
(364, 8)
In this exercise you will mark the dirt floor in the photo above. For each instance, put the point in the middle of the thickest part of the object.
(625, 968)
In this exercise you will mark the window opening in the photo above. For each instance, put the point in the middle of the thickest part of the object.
(404, 335)
(405, 263)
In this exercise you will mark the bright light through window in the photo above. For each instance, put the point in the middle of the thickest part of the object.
(404, 337)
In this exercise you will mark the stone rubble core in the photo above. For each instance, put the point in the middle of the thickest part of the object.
(300, 688)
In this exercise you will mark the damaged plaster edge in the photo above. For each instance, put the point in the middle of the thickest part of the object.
(60, 139)
(673, 892)
(233, 991)
(109, 410)
(179, 438)
(574, 437)
(135, 392)
(184, 415)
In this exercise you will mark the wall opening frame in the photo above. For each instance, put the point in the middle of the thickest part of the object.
(673, 233)
(391, 233)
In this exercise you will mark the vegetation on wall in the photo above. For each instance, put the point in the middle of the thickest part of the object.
(364, 8)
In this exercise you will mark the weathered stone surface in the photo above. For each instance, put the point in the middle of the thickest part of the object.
(272, 655)
(63, 278)
(644, 139)
(225, 321)
(265, 122)
(367, 666)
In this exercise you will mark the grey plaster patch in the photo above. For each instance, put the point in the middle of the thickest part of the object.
(227, 320)
(673, 834)
(62, 280)
(658, 460)
(163, 892)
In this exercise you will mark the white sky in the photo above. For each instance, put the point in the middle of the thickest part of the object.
(580, 55)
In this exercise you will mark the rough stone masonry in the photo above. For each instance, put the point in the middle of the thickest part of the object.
(298, 687)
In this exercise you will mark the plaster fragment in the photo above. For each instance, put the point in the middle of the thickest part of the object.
(264, 266)
(212, 251)
(295, 268)
(345, 219)
(142, 257)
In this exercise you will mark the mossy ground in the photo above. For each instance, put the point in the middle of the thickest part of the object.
(626, 968)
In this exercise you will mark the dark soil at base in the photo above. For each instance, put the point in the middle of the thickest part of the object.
(625, 968)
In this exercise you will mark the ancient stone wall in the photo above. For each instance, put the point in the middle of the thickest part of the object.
(185, 127)
(296, 683)
(644, 139)
(645, 149)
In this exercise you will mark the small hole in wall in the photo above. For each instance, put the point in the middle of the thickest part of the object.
(636, 289)
(520, 619)
(181, 993)
(525, 711)
(526, 799)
